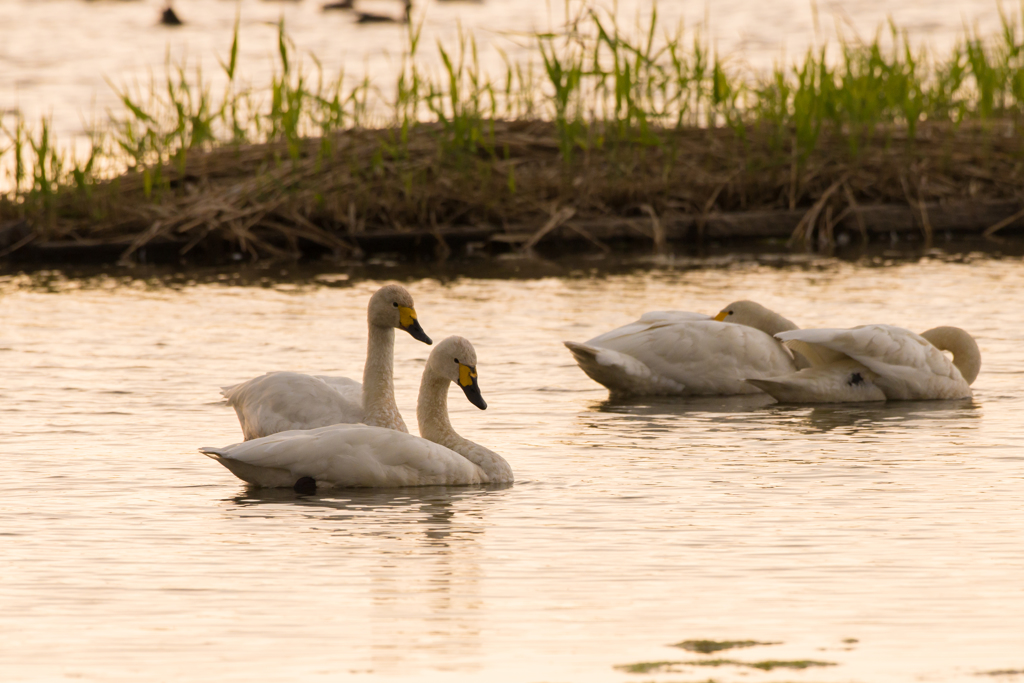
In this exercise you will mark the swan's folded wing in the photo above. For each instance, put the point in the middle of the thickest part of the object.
(708, 357)
(349, 389)
(672, 317)
(283, 401)
(842, 382)
(907, 365)
(646, 322)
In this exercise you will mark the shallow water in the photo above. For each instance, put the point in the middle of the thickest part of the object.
(125, 555)
(58, 56)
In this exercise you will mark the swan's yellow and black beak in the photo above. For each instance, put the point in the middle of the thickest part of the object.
(467, 380)
(409, 323)
(722, 315)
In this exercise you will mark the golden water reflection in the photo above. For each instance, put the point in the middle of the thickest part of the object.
(127, 555)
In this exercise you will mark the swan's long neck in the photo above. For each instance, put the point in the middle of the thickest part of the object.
(432, 415)
(432, 410)
(379, 406)
(966, 354)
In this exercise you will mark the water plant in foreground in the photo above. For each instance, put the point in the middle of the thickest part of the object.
(706, 647)
(765, 665)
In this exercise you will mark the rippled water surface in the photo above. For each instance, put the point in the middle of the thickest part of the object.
(125, 555)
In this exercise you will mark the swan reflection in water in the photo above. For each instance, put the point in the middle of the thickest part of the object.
(660, 406)
(405, 559)
(912, 415)
(438, 505)
(760, 412)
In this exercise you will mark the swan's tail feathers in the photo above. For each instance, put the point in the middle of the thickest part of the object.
(213, 452)
(229, 392)
(270, 477)
(621, 373)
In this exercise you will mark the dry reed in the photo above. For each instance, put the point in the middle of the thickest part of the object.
(636, 132)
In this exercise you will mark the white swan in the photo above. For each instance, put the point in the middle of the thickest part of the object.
(681, 353)
(346, 455)
(281, 401)
(879, 362)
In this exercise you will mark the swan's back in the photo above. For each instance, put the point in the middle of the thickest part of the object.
(706, 356)
(647, 321)
(283, 401)
(348, 456)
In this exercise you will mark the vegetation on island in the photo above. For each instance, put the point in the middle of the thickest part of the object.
(646, 134)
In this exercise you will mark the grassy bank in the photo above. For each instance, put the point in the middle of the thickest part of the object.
(611, 134)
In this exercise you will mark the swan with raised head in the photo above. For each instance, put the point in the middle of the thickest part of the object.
(346, 455)
(689, 354)
(282, 401)
(877, 363)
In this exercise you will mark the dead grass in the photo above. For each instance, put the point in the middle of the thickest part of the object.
(270, 199)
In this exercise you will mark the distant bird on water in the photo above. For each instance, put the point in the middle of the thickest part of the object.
(343, 4)
(370, 18)
(169, 18)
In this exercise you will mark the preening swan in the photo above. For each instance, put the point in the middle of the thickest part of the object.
(845, 381)
(879, 362)
(346, 455)
(681, 353)
(281, 401)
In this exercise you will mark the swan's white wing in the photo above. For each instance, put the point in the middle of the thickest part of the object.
(907, 365)
(350, 390)
(843, 382)
(646, 321)
(705, 356)
(349, 456)
(695, 356)
(672, 317)
(282, 401)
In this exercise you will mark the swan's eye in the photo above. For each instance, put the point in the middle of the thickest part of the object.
(395, 304)
(456, 360)
(730, 312)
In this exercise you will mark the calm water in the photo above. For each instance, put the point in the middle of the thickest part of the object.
(125, 555)
(56, 56)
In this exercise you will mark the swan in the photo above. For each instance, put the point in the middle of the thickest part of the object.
(877, 363)
(282, 401)
(683, 353)
(355, 455)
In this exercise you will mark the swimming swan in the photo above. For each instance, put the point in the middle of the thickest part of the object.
(281, 401)
(346, 455)
(879, 362)
(682, 353)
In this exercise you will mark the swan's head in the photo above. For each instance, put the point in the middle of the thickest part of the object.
(455, 359)
(753, 314)
(741, 312)
(391, 306)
